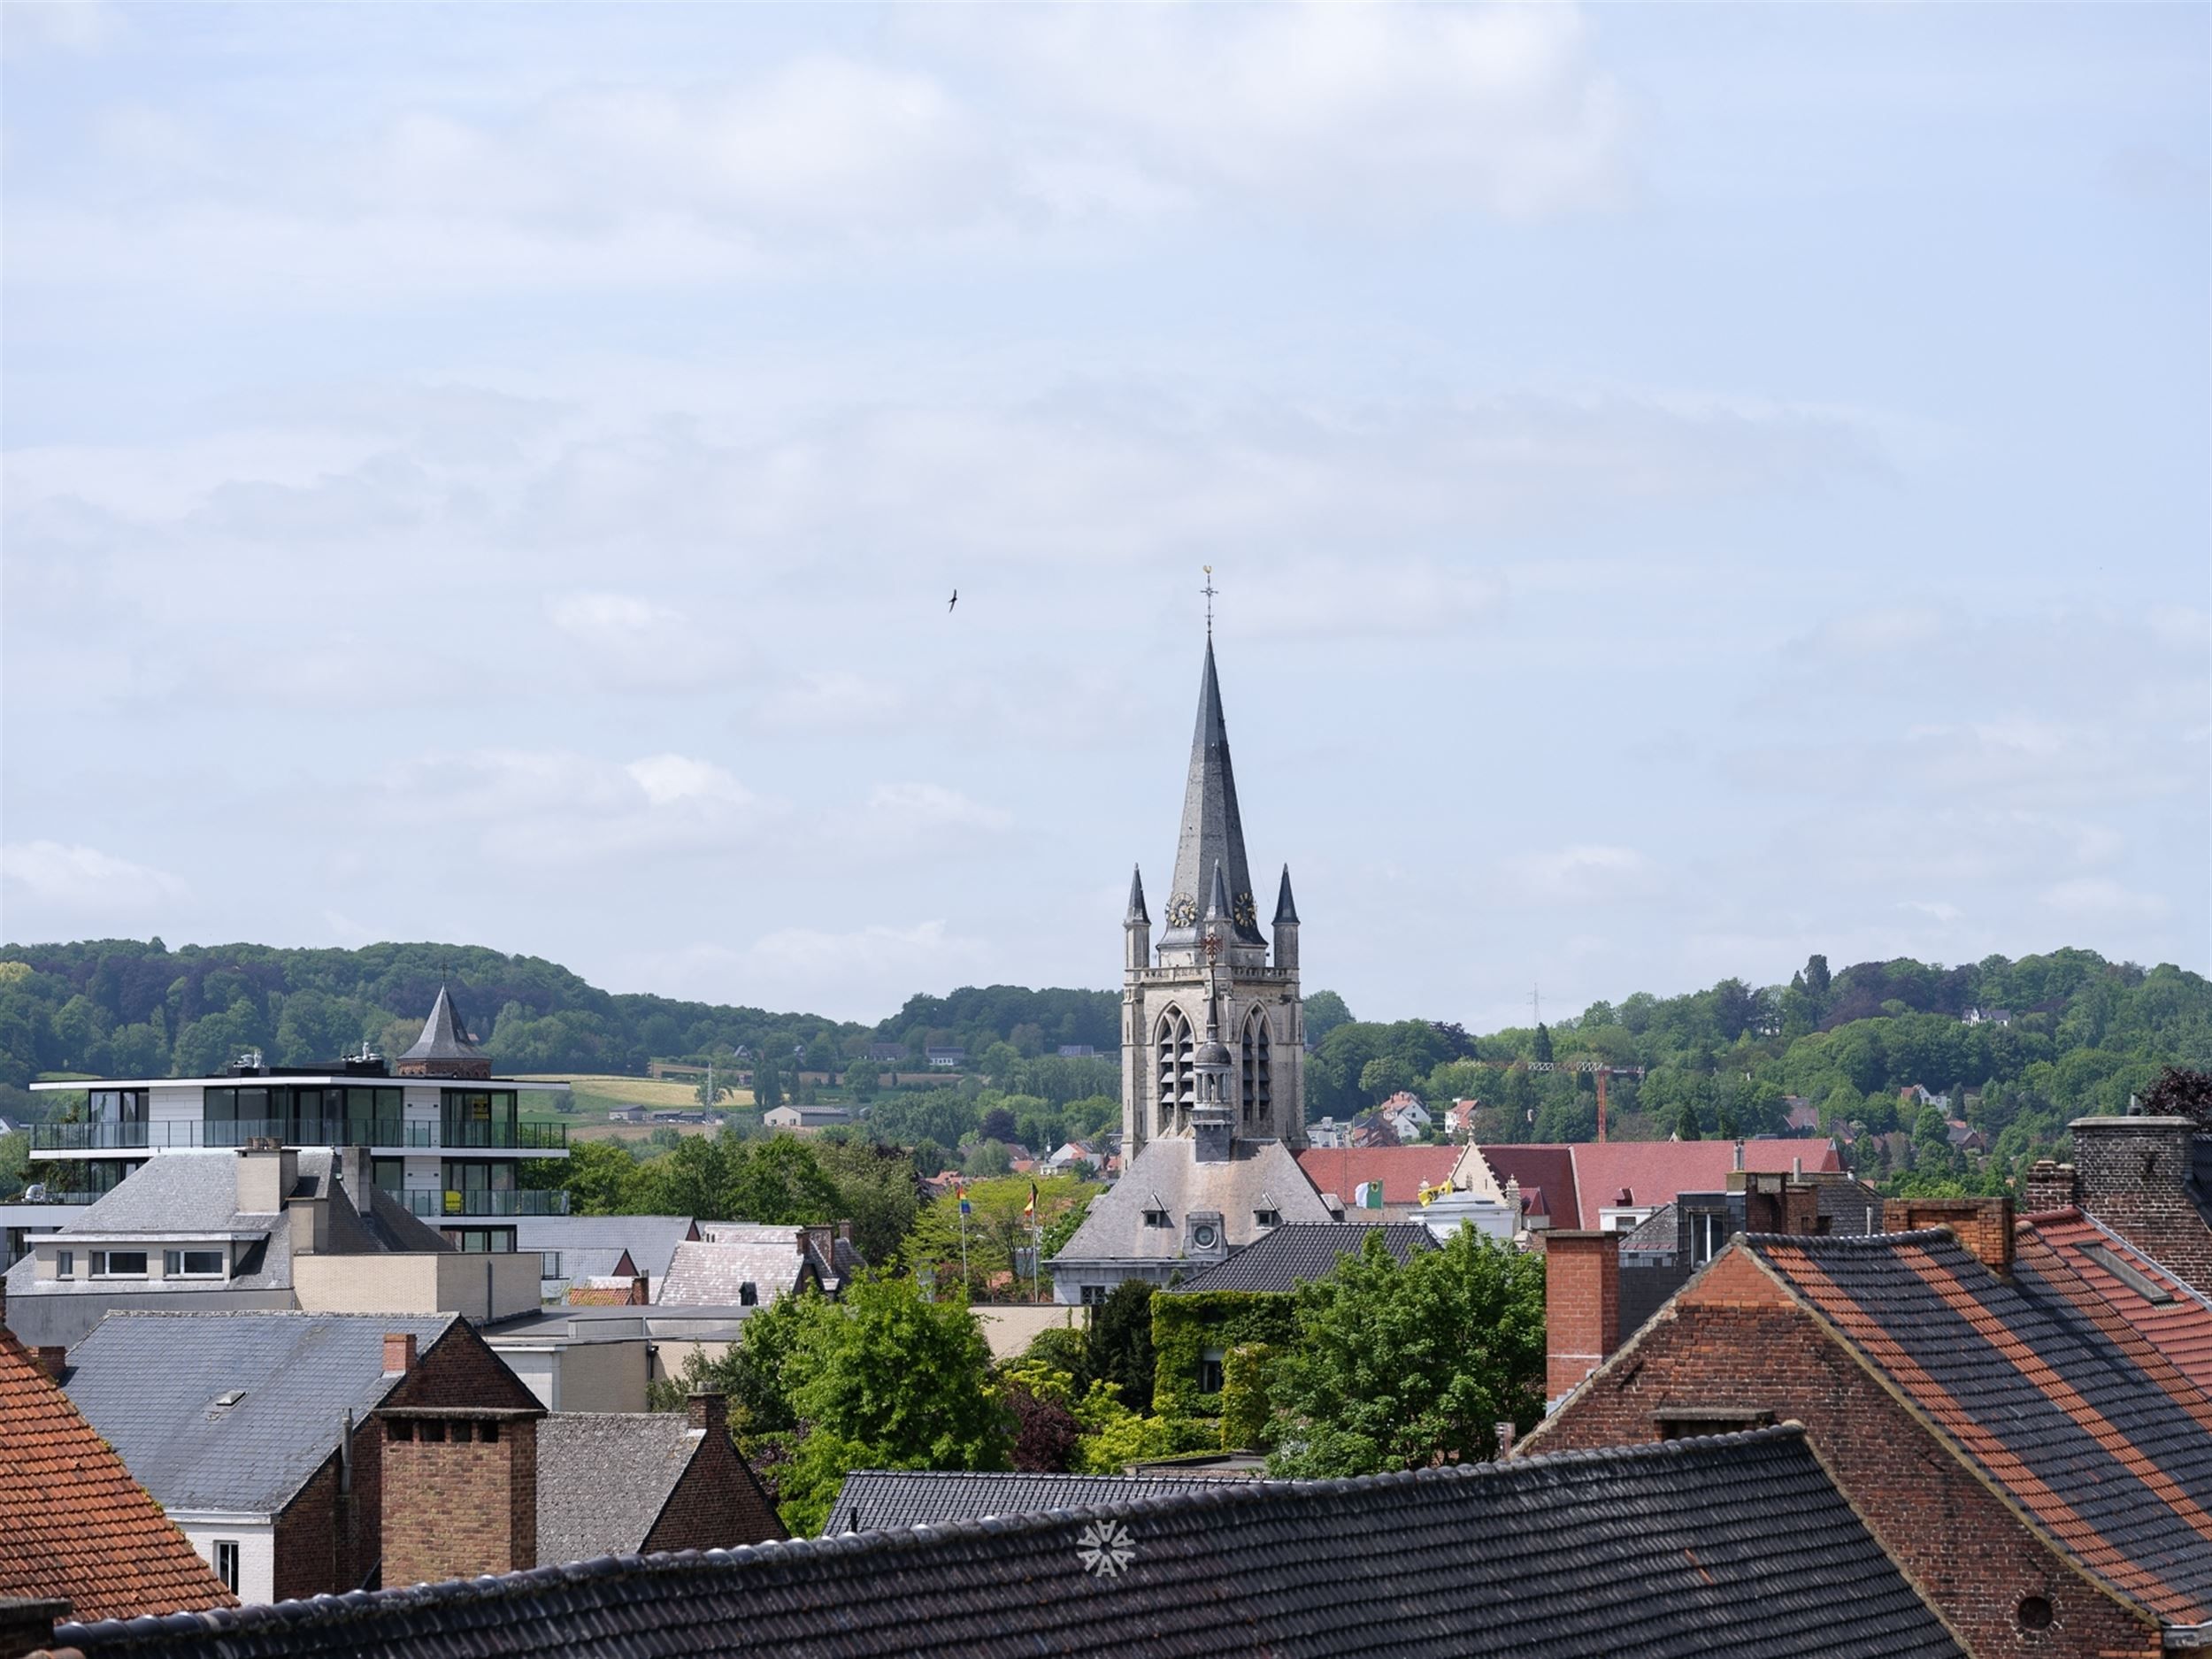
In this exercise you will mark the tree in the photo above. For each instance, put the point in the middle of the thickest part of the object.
(1379, 1079)
(1324, 1011)
(1543, 1050)
(1397, 1365)
(602, 1178)
(876, 1191)
(1816, 975)
(767, 1087)
(895, 1381)
(776, 1182)
(1120, 1347)
(1686, 1124)
(2180, 1093)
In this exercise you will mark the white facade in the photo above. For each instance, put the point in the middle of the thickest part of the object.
(254, 1537)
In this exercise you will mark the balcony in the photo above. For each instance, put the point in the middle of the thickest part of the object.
(432, 1205)
(428, 1135)
(40, 1193)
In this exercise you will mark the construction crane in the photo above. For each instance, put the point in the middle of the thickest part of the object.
(1601, 1068)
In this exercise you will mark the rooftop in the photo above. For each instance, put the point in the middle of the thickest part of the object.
(1300, 1252)
(1708, 1547)
(885, 1501)
(73, 1522)
(1403, 1170)
(603, 1479)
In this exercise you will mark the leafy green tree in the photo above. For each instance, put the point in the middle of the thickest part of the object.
(777, 1182)
(1380, 1079)
(15, 1157)
(897, 1382)
(1396, 1365)
(767, 1087)
(751, 1371)
(602, 1178)
(1686, 1124)
(1542, 1048)
(1120, 1347)
(878, 1191)
(1324, 1011)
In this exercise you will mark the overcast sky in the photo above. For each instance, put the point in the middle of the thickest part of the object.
(1689, 487)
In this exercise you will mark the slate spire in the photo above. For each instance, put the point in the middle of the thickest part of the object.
(1213, 833)
(1137, 912)
(1285, 911)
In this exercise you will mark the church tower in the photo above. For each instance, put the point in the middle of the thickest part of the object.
(1211, 986)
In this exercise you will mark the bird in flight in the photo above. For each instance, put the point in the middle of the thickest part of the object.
(955, 599)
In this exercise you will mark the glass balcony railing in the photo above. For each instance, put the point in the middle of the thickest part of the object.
(431, 1204)
(299, 1131)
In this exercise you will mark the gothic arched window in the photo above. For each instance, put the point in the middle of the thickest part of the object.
(1259, 1095)
(1178, 1082)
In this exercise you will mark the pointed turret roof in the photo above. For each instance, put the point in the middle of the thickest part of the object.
(1285, 912)
(1137, 912)
(441, 1038)
(1213, 833)
(1217, 897)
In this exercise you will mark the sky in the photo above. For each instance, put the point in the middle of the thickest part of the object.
(1688, 488)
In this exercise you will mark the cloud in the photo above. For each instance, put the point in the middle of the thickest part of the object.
(2102, 899)
(625, 643)
(838, 701)
(909, 807)
(554, 808)
(1582, 874)
(74, 880)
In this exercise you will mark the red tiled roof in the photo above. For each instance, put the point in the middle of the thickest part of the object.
(1403, 1170)
(2080, 1421)
(73, 1522)
(1658, 1172)
(1546, 1170)
(2174, 1319)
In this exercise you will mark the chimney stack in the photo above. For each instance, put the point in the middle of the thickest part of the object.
(2049, 1185)
(53, 1361)
(399, 1352)
(710, 1412)
(1984, 1225)
(1582, 1305)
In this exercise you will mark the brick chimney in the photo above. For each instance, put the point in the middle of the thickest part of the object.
(2049, 1185)
(710, 1411)
(53, 1361)
(1984, 1225)
(399, 1352)
(2131, 1164)
(1780, 1204)
(1582, 1305)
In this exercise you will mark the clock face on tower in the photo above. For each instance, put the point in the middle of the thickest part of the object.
(1244, 909)
(1182, 911)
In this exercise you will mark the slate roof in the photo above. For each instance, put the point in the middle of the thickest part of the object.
(73, 1522)
(1403, 1170)
(1256, 1175)
(1212, 835)
(886, 1501)
(713, 1272)
(2158, 1304)
(151, 1384)
(442, 1037)
(1297, 1253)
(2060, 1411)
(1735, 1546)
(603, 1478)
(651, 1240)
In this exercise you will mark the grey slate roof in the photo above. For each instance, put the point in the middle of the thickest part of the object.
(1737, 1547)
(1286, 907)
(651, 1240)
(1297, 1253)
(603, 1478)
(885, 1501)
(1213, 831)
(714, 1273)
(442, 1036)
(150, 1383)
(1256, 1171)
(1136, 913)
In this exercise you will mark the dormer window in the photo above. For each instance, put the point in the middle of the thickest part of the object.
(1267, 1218)
(748, 1294)
(1156, 1218)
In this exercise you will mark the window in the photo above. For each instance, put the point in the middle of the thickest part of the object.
(1708, 1231)
(487, 1432)
(548, 1264)
(226, 1562)
(1094, 1295)
(1178, 1082)
(1259, 1087)
(1210, 1371)
(1156, 1218)
(191, 1263)
(118, 1264)
(1267, 1218)
(64, 1264)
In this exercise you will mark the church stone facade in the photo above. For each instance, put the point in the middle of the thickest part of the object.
(1212, 1056)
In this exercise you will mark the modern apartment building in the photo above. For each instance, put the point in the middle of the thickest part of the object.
(443, 1136)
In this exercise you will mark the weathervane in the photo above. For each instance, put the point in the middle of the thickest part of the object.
(1210, 590)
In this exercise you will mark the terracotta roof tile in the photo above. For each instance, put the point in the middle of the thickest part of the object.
(2072, 1416)
(2102, 1271)
(1403, 1171)
(73, 1522)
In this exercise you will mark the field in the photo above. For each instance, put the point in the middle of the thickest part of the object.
(594, 1096)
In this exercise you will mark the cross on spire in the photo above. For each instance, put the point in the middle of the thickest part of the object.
(1210, 590)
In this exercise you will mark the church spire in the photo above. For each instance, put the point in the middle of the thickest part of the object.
(1285, 911)
(1213, 833)
(1137, 912)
